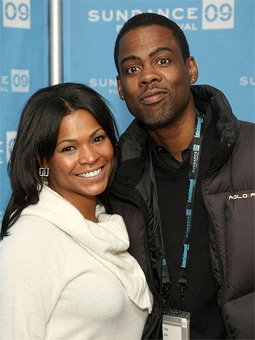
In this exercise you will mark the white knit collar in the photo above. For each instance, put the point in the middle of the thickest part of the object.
(106, 240)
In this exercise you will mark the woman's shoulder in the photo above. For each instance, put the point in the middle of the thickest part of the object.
(30, 240)
(29, 229)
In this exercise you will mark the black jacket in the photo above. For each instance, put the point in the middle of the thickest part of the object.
(229, 197)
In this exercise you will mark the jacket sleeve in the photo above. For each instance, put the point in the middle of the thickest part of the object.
(135, 227)
(230, 199)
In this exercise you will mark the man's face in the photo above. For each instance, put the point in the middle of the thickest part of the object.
(154, 80)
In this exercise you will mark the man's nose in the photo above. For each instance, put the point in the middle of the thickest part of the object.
(149, 74)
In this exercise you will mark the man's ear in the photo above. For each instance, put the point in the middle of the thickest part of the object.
(120, 88)
(193, 70)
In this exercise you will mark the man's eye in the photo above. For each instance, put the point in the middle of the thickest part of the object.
(163, 61)
(132, 69)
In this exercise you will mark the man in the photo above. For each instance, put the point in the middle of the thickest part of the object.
(187, 171)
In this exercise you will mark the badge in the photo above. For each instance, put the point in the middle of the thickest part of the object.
(176, 325)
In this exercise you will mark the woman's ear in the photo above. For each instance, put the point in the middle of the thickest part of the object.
(42, 162)
(43, 167)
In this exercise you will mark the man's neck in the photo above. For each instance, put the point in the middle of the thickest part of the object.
(176, 137)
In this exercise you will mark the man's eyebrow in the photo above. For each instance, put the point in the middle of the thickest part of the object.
(130, 57)
(160, 49)
(157, 50)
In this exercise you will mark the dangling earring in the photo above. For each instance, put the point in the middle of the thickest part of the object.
(44, 172)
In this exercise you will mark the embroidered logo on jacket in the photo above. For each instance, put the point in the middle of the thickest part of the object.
(241, 196)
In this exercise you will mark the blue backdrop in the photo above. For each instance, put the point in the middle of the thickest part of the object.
(221, 34)
(23, 69)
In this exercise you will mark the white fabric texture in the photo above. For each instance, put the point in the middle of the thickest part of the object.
(64, 277)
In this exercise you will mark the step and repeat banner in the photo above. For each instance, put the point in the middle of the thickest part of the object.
(221, 35)
(23, 69)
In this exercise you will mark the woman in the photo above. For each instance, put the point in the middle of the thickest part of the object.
(65, 269)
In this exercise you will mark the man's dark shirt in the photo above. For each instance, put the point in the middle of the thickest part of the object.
(200, 299)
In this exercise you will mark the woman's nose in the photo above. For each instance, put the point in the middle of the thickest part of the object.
(88, 154)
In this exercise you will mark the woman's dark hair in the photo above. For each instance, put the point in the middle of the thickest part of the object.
(37, 138)
(149, 19)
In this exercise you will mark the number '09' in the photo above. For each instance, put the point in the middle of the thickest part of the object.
(20, 80)
(224, 12)
(13, 12)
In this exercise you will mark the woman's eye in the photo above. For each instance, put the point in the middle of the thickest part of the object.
(68, 148)
(99, 139)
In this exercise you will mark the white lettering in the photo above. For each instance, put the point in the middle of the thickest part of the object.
(121, 16)
(103, 82)
(243, 81)
(188, 27)
(3, 89)
(94, 16)
(118, 28)
(1, 151)
(247, 81)
(135, 12)
(191, 13)
(108, 18)
(118, 15)
(166, 12)
(175, 14)
(93, 82)
(241, 196)
(113, 91)
(5, 80)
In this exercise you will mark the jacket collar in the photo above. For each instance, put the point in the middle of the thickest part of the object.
(212, 103)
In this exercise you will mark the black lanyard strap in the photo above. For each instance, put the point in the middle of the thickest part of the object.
(196, 146)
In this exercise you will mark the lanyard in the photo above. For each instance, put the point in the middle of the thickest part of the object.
(193, 174)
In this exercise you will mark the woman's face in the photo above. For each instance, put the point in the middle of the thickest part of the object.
(83, 159)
